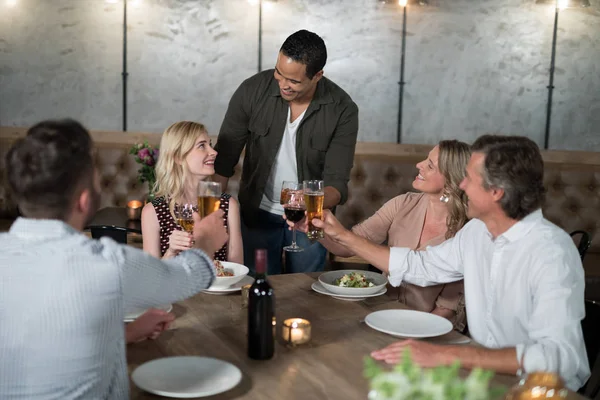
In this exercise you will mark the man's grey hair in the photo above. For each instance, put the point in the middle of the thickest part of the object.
(515, 165)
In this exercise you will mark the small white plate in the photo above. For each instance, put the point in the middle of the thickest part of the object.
(408, 323)
(186, 377)
(317, 287)
(134, 315)
(247, 280)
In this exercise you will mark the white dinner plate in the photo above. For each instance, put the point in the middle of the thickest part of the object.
(247, 280)
(408, 323)
(317, 287)
(133, 315)
(187, 376)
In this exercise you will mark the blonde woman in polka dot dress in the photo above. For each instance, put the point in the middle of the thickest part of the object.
(186, 157)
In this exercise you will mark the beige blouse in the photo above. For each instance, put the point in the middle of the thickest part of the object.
(400, 222)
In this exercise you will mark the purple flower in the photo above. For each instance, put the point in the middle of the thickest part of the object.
(156, 154)
(143, 153)
(149, 160)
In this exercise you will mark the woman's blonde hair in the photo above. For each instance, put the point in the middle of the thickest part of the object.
(171, 171)
(452, 162)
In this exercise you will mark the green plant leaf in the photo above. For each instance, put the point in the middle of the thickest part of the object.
(371, 369)
(409, 381)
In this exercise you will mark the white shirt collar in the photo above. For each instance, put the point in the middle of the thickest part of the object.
(521, 228)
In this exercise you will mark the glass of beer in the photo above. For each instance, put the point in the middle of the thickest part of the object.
(314, 194)
(209, 197)
(183, 215)
(294, 211)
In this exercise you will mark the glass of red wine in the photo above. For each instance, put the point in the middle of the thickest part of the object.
(294, 211)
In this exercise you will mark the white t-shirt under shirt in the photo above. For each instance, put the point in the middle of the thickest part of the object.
(284, 168)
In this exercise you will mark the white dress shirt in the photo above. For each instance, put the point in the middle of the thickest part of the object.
(524, 289)
(63, 297)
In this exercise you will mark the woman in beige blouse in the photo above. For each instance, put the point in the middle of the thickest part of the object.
(418, 220)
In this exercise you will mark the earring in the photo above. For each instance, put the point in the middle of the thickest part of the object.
(444, 198)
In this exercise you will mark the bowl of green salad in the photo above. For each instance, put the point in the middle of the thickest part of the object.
(353, 282)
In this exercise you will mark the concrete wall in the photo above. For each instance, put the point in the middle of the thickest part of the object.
(471, 67)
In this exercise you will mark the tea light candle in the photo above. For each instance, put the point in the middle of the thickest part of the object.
(296, 331)
(134, 209)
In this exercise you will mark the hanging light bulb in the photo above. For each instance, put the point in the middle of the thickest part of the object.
(562, 4)
(267, 4)
(404, 3)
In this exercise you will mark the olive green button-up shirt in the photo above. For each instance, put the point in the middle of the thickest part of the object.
(256, 119)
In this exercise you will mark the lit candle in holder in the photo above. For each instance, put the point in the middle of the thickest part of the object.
(134, 209)
(296, 331)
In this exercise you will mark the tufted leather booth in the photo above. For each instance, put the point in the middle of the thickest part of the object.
(381, 171)
(374, 180)
(573, 190)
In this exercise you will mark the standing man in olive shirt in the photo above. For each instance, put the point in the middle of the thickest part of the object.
(296, 125)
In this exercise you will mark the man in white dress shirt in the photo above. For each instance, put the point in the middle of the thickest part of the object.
(63, 295)
(524, 282)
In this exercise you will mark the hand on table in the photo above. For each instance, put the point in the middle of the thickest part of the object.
(149, 325)
(422, 353)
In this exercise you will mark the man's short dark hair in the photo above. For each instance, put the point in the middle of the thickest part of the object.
(47, 167)
(514, 164)
(307, 48)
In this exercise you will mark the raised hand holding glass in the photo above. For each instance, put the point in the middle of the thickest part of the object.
(183, 215)
(294, 211)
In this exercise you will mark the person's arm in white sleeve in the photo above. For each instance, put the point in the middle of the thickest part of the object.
(436, 264)
(555, 336)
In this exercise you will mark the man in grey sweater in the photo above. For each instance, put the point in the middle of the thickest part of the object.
(62, 294)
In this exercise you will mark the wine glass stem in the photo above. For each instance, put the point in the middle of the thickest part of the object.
(294, 237)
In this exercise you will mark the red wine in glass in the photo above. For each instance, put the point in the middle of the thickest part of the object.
(294, 214)
(294, 211)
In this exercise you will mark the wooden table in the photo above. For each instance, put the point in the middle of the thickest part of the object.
(329, 367)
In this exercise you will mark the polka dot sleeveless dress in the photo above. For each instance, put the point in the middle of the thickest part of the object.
(168, 224)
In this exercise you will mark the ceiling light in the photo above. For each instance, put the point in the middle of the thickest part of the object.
(562, 4)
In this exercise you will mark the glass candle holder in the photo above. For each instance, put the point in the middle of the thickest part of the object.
(295, 331)
(134, 209)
